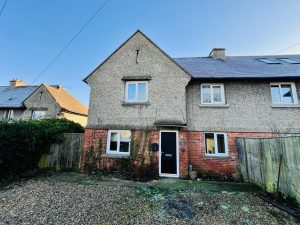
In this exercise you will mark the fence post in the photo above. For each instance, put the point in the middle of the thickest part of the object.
(279, 171)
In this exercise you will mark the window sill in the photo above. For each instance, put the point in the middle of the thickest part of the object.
(217, 156)
(214, 105)
(115, 155)
(285, 106)
(135, 103)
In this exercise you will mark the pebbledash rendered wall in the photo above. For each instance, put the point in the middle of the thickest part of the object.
(166, 85)
(41, 99)
(248, 108)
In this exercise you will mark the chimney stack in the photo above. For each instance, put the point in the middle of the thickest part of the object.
(16, 83)
(217, 53)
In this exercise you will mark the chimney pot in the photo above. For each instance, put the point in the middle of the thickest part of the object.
(16, 83)
(217, 53)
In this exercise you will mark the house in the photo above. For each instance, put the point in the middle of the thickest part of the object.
(18, 101)
(196, 107)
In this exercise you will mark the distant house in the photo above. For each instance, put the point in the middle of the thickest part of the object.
(195, 107)
(18, 101)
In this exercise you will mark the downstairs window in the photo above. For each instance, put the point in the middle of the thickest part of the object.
(216, 144)
(118, 142)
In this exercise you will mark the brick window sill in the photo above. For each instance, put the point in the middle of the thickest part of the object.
(115, 156)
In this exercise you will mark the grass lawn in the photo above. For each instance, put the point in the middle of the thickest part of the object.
(71, 198)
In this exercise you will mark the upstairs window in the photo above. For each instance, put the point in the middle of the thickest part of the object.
(118, 142)
(38, 115)
(136, 91)
(212, 94)
(284, 93)
(216, 144)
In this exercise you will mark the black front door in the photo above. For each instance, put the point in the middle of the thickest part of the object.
(168, 152)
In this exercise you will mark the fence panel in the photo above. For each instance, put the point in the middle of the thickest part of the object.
(64, 156)
(272, 163)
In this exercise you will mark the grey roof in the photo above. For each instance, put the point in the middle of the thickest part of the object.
(240, 67)
(14, 97)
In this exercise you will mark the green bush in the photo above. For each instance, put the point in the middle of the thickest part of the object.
(22, 143)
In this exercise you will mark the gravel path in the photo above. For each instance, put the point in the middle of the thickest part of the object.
(44, 202)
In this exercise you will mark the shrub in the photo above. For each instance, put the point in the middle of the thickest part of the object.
(142, 164)
(22, 143)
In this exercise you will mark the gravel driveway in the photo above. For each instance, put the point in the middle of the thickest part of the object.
(74, 199)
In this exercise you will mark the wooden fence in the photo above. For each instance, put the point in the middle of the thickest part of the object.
(64, 156)
(272, 163)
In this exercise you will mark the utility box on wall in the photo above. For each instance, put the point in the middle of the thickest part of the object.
(154, 147)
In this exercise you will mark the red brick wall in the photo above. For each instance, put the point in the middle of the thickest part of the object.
(191, 150)
(217, 166)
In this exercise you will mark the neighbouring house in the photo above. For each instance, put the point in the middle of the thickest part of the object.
(18, 101)
(195, 107)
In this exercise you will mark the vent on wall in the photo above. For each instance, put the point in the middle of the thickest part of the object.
(268, 61)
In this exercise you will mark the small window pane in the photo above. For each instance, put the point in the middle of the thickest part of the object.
(131, 91)
(141, 92)
(217, 95)
(7, 114)
(210, 144)
(124, 140)
(205, 91)
(113, 141)
(286, 92)
(275, 93)
(221, 143)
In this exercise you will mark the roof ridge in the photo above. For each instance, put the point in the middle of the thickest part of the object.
(236, 56)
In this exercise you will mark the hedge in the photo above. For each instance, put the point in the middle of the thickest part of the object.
(22, 143)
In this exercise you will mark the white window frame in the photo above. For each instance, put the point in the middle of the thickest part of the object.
(108, 151)
(9, 114)
(136, 91)
(221, 85)
(294, 93)
(33, 111)
(217, 154)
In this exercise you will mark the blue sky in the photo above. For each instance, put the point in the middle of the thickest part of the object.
(32, 32)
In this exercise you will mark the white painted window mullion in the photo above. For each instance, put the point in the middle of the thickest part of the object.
(119, 140)
(211, 93)
(136, 91)
(216, 143)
